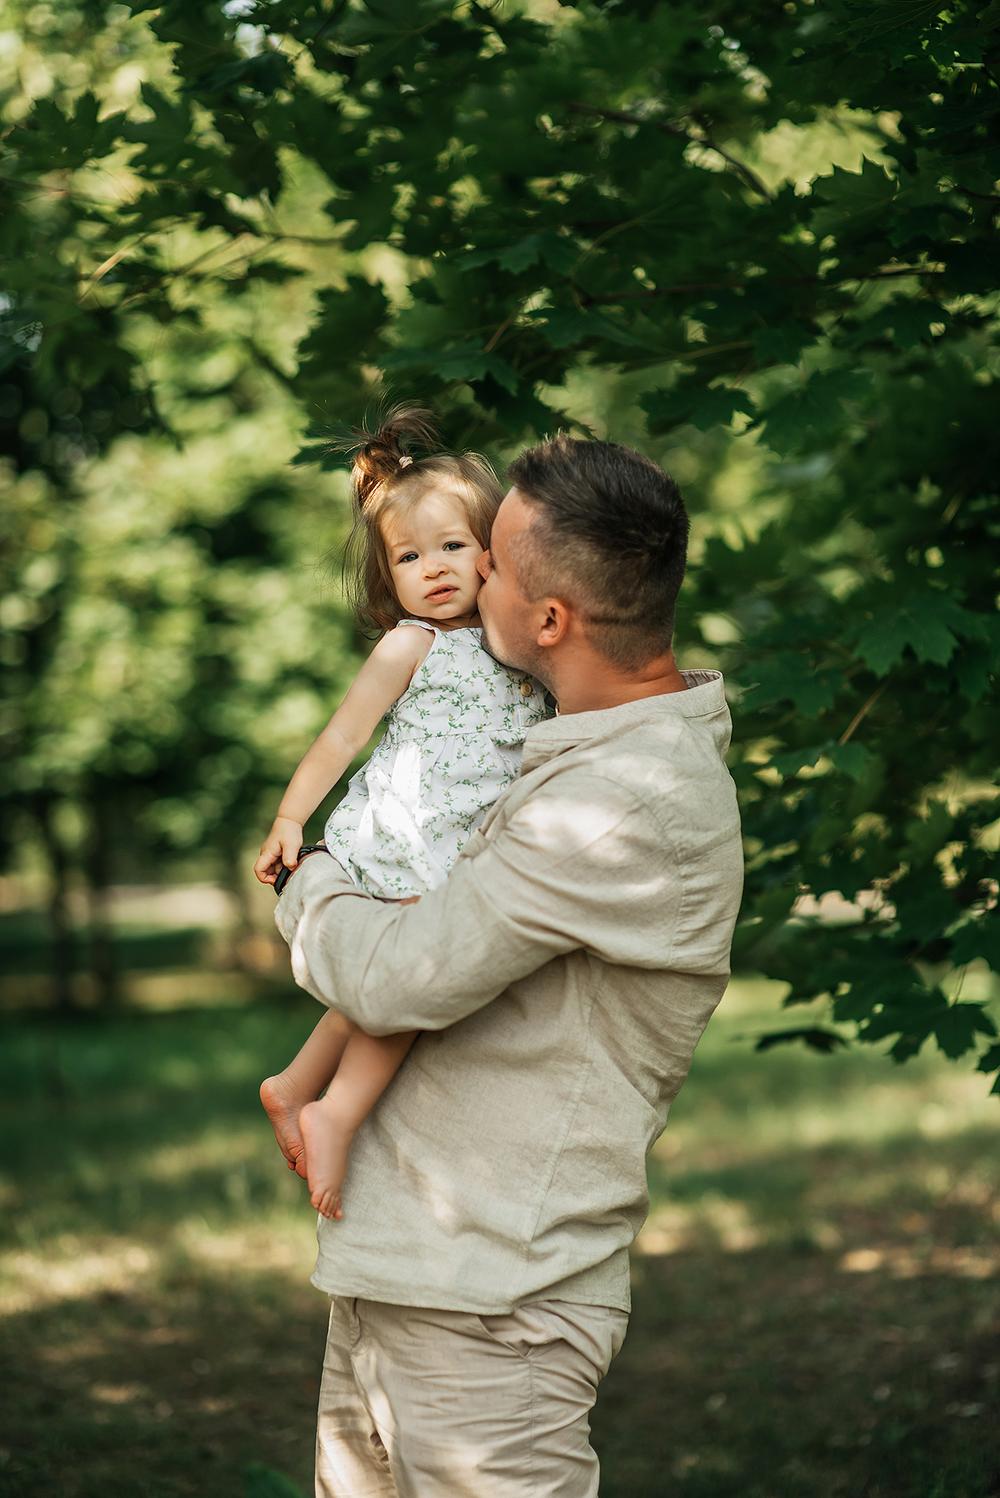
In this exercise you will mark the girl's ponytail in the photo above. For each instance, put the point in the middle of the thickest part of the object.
(381, 454)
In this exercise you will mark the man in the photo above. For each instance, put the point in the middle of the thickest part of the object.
(562, 976)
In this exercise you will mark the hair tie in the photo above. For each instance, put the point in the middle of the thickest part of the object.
(405, 460)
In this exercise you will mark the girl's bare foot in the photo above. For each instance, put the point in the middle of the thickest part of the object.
(282, 1105)
(327, 1145)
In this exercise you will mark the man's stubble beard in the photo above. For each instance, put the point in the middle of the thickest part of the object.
(488, 646)
(529, 663)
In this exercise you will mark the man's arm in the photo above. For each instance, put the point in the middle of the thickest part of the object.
(553, 879)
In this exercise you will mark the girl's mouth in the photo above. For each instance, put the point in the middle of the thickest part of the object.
(440, 594)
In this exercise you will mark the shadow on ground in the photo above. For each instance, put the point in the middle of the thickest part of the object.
(813, 1315)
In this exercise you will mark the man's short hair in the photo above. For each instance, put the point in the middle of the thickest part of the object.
(610, 536)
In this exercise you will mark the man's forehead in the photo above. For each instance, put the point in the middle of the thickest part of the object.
(512, 519)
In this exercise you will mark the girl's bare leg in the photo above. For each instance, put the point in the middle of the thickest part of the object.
(285, 1094)
(328, 1126)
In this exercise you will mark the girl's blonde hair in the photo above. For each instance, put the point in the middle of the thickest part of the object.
(386, 477)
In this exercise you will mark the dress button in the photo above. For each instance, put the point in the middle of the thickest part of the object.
(526, 689)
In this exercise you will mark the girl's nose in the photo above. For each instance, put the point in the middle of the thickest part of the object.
(434, 566)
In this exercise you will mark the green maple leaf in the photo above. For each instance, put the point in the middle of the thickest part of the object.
(882, 643)
(926, 835)
(990, 1061)
(346, 320)
(783, 343)
(978, 937)
(853, 200)
(786, 676)
(461, 362)
(551, 249)
(717, 405)
(973, 670)
(956, 1028)
(853, 759)
(907, 320)
(794, 760)
(565, 328)
(702, 406)
(824, 1041)
(171, 121)
(812, 414)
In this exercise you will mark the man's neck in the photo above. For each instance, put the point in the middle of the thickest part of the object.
(592, 685)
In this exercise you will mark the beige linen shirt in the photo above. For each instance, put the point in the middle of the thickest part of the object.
(562, 977)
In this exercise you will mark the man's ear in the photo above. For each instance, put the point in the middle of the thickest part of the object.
(556, 622)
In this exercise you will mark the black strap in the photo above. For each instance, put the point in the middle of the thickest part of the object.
(285, 873)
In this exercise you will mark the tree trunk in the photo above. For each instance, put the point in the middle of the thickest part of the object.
(243, 941)
(98, 863)
(63, 942)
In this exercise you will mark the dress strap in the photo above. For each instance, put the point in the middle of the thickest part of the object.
(421, 624)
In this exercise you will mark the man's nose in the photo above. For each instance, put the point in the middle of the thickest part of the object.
(484, 565)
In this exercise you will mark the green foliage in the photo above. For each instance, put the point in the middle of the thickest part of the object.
(772, 232)
(264, 1482)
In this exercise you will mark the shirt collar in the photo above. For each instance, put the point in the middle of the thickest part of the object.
(705, 695)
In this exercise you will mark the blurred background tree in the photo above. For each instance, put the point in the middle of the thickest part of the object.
(757, 242)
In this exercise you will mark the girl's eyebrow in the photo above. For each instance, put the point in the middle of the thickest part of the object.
(448, 531)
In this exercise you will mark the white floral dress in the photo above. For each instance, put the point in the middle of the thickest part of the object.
(452, 743)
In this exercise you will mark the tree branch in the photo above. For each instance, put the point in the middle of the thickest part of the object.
(863, 712)
(733, 284)
(622, 117)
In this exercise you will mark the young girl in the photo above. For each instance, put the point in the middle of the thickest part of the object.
(455, 722)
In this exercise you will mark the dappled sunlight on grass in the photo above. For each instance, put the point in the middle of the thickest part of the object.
(844, 1154)
(813, 1290)
(225, 1150)
(720, 1221)
(66, 1269)
(903, 1263)
(790, 1099)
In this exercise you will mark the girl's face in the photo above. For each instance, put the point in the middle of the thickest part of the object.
(432, 555)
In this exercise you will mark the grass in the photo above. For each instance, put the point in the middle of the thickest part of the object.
(815, 1291)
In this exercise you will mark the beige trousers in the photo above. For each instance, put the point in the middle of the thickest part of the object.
(421, 1403)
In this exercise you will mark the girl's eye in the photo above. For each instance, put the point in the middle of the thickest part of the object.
(411, 556)
(457, 545)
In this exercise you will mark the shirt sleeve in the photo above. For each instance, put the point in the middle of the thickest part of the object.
(556, 877)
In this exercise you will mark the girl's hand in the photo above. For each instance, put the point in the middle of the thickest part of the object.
(281, 846)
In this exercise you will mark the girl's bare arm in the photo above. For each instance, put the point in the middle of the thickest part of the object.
(381, 681)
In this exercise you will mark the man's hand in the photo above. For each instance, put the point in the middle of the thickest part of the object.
(281, 846)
